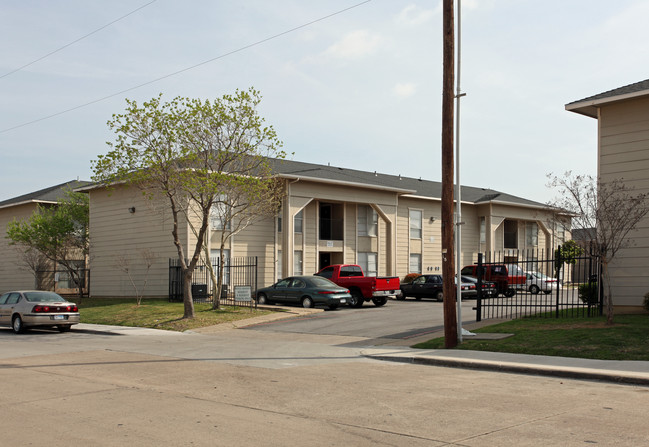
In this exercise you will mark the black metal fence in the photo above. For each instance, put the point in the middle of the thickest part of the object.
(541, 285)
(239, 281)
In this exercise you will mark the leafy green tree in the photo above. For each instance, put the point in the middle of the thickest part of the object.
(188, 154)
(567, 253)
(612, 208)
(58, 232)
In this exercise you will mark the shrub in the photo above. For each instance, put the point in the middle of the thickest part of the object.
(588, 293)
(646, 301)
(409, 277)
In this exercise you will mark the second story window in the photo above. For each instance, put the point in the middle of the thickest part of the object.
(368, 221)
(298, 222)
(415, 224)
(220, 215)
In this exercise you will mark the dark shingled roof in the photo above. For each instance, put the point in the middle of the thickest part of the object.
(47, 195)
(589, 110)
(419, 187)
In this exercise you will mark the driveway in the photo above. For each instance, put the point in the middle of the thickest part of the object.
(397, 321)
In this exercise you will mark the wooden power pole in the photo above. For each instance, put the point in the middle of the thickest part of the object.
(448, 217)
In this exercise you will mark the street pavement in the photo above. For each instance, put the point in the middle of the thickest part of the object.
(222, 386)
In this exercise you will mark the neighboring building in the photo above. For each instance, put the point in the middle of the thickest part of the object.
(390, 225)
(623, 153)
(14, 273)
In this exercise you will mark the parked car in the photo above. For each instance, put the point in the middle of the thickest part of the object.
(23, 309)
(489, 289)
(309, 291)
(362, 288)
(431, 286)
(537, 282)
(506, 283)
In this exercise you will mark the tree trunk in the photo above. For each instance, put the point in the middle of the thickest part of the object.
(609, 296)
(188, 300)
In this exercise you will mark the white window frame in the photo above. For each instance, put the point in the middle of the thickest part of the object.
(414, 264)
(297, 262)
(531, 234)
(416, 223)
(368, 221)
(298, 222)
(368, 262)
(218, 214)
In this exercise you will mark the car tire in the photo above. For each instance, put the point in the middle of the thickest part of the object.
(17, 324)
(263, 299)
(378, 302)
(64, 327)
(333, 306)
(418, 298)
(357, 299)
(509, 293)
(401, 297)
(439, 296)
(547, 292)
(307, 302)
(534, 289)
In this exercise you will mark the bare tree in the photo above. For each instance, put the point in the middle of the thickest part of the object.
(123, 263)
(611, 208)
(38, 265)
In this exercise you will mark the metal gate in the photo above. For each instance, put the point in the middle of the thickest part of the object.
(552, 288)
(238, 272)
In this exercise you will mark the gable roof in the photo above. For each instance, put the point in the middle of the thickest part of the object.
(405, 185)
(588, 106)
(47, 195)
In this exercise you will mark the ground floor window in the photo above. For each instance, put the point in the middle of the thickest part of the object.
(297, 262)
(368, 262)
(415, 263)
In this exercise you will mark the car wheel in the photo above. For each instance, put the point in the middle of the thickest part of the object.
(534, 289)
(439, 296)
(357, 299)
(510, 293)
(333, 306)
(64, 327)
(378, 302)
(401, 297)
(307, 302)
(263, 299)
(547, 292)
(17, 324)
(418, 298)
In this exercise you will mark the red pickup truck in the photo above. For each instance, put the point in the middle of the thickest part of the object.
(362, 288)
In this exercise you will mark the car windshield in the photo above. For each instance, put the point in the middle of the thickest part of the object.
(42, 296)
(540, 275)
(319, 281)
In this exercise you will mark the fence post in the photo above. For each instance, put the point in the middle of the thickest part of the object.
(478, 314)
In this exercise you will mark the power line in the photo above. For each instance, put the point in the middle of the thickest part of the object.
(259, 42)
(75, 41)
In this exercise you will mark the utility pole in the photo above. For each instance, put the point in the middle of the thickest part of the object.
(448, 218)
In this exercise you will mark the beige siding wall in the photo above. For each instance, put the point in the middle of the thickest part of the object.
(430, 244)
(624, 154)
(258, 240)
(115, 232)
(13, 273)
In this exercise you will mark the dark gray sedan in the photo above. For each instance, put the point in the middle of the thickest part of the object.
(308, 291)
(37, 308)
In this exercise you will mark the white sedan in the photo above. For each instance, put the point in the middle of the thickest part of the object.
(536, 282)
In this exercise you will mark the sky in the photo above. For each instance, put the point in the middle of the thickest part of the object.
(352, 83)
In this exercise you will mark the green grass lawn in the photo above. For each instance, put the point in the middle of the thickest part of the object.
(626, 339)
(158, 314)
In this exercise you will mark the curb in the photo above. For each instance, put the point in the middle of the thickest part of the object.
(620, 377)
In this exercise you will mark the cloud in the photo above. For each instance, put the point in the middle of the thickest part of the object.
(413, 15)
(355, 44)
(404, 90)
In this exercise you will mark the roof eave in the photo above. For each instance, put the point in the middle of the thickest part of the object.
(590, 107)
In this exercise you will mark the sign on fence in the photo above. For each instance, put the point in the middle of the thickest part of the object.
(242, 293)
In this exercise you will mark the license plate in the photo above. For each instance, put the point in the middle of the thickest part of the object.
(58, 317)
(343, 300)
